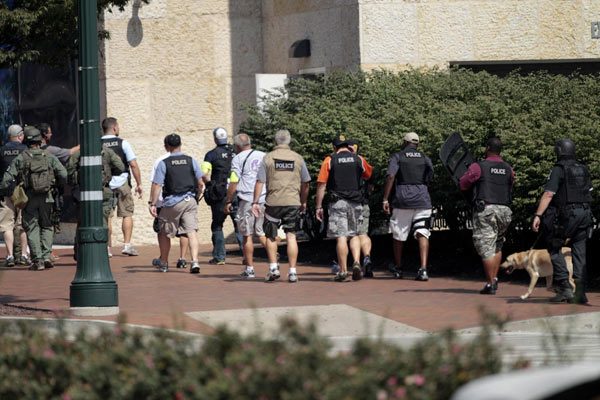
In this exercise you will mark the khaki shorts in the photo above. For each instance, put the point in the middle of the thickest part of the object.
(402, 222)
(363, 226)
(180, 219)
(10, 217)
(489, 229)
(124, 201)
(247, 223)
(344, 219)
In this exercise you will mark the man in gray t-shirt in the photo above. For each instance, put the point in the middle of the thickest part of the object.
(410, 171)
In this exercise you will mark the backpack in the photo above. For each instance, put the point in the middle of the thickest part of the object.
(38, 175)
(215, 192)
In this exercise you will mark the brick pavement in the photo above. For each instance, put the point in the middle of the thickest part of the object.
(149, 297)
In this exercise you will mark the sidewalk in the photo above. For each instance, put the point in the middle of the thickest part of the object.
(180, 300)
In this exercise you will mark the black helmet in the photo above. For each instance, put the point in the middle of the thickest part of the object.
(32, 135)
(564, 148)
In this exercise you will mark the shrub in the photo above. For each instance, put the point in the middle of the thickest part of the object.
(529, 113)
(296, 364)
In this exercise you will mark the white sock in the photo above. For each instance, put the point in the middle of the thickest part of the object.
(249, 268)
(126, 245)
(292, 270)
(272, 266)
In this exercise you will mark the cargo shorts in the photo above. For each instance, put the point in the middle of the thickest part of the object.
(489, 229)
(247, 223)
(125, 201)
(285, 217)
(345, 217)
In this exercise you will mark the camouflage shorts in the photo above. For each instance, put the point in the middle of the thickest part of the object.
(345, 217)
(489, 229)
(363, 227)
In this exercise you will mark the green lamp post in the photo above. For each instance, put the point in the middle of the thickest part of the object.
(93, 290)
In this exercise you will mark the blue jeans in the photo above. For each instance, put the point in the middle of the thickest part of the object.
(218, 219)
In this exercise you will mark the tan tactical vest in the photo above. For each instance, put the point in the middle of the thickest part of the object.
(284, 168)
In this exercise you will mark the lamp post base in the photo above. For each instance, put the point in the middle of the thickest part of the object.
(93, 311)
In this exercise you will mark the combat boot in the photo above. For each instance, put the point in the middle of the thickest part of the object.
(579, 297)
(564, 292)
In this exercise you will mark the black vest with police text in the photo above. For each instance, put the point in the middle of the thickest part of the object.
(345, 176)
(179, 176)
(7, 154)
(411, 167)
(575, 188)
(116, 145)
(494, 186)
(221, 166)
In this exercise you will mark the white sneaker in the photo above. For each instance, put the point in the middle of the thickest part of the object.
(248, 273)
(195, 267)
(272, 275)
(130, 251)
(292, 277)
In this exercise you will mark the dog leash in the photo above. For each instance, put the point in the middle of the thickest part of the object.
(533, 245)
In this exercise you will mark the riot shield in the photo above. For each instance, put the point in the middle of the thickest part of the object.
(456, 157)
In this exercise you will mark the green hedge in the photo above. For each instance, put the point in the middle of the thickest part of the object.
(529, 113)
(296, 364)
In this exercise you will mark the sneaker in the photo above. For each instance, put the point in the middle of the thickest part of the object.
(156, 262)
(335, 268)
(54, 257)
(109, 253)
(398, 272)
(10, 261)
(488, 289)
(248, 273)
(48, 264)
(36, 267)
(163, 267)
(495, 285)
(422, 275)
(130, 251)
(181, 263)
(292, 277)
(24, 260)
(341, 277)
(356, 272)
(194, 267)
(214, 261)
(272, 275)
(368, 267)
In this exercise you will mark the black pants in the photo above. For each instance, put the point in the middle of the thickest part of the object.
(572, 225)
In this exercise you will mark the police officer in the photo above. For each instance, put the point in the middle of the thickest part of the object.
(217, 168)
(10, 217)
(284, 173)
(39, 171)
(341, 174)
(179, 177)
(564, 213)
(410, 171)
(493, 180)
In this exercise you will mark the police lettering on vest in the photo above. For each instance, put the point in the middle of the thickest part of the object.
(412, 167)
(345, 177)
(179, 176)
(116, 145)
(9, 153)
(284, 165)
(494, 185)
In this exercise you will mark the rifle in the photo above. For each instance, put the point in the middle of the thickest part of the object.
(56, 208)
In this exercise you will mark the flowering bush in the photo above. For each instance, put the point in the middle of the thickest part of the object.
(295, 364)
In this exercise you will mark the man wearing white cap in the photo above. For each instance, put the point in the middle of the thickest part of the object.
(411, 172)
(10, 217)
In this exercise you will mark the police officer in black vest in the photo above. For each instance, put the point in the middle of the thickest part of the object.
(217, 165)
(566, 218)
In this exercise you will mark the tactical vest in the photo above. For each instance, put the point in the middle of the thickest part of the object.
(411, 167)
(221, 166)
(284, 168)
(345, 177)
(494, 185)
(575, 188)
(7, 154)
(179, 176)
(116, 145)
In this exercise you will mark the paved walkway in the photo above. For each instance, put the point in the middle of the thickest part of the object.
(177, 299)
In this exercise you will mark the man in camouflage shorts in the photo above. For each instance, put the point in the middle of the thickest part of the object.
(492, 179)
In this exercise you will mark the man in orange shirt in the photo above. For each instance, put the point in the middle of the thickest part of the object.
(341, 175)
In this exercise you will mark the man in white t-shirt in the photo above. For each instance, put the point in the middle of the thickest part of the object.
(244, 168)
(183, 240)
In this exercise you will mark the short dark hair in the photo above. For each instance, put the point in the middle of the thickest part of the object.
(173, 140)
(44, 128)
(494, 144)
(108, 124)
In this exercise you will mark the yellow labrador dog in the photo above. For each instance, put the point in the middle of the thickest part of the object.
(537, 263)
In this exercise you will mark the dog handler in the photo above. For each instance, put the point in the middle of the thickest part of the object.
(493, 180)
(564, 213)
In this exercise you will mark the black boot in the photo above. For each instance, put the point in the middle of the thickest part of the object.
(579, 296)
(563, 292)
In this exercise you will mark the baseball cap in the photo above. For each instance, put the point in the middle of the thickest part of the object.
(220, 135)
(411, 137)
(353, 143)
(14, 130)
(340, 140)
(173, 140)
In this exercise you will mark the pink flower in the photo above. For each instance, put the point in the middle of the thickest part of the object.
(393, 381)
(66, 396)
(382, 395)
(419, 380)
(400, 393)
(48, 353)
